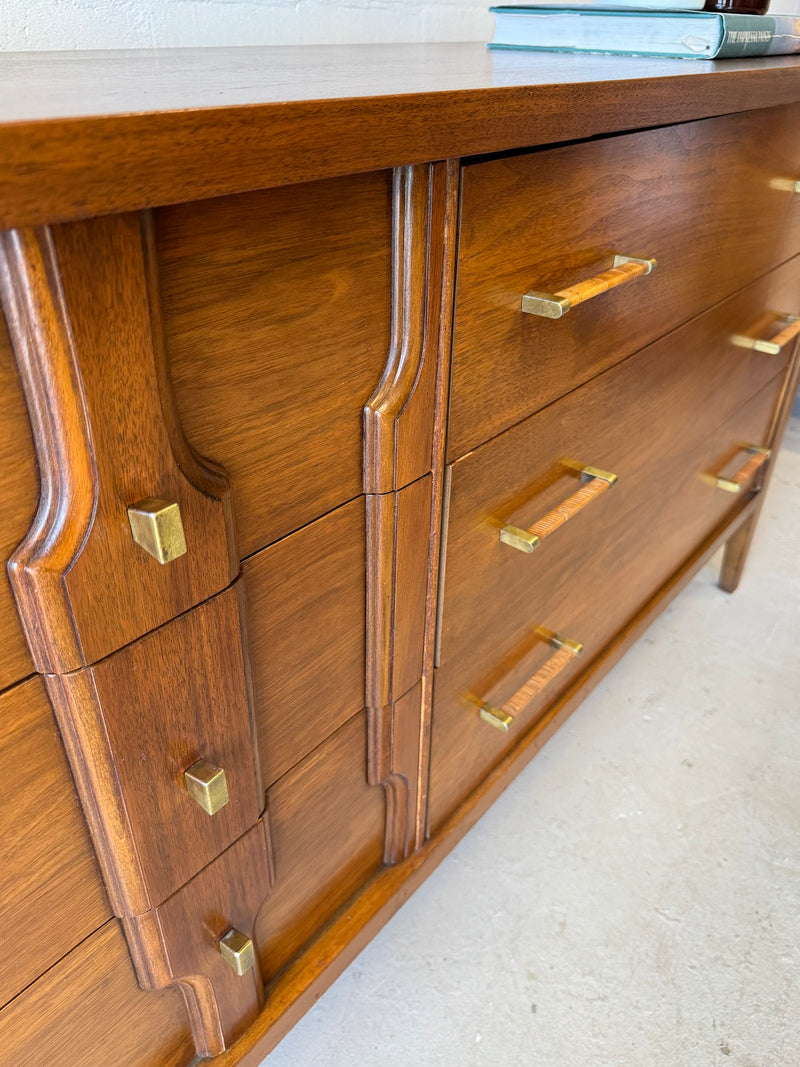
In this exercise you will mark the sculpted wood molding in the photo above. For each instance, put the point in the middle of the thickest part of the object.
(399, 416)
(178, 942)
(105, 437)
(133, 723)
(403, 450)
(142, 687)
(398, 532)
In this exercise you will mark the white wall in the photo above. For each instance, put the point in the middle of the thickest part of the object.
(31, 25)
(52, 24)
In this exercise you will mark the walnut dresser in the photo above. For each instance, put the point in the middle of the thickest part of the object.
(359, 407)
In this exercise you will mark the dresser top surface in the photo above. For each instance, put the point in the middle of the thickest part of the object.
(36, 86)
(86, 133)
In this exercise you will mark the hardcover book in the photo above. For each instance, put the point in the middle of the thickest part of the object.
(682, 34)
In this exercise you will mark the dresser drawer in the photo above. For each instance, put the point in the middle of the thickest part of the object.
(88, 1010)
(305, 624)
(190, 930)
(327, 833)
(666, 422)
(276, 320)
(709, 200)
(165, 750)
(51, 895)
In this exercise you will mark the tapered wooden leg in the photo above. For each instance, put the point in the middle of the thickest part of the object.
(736, 550)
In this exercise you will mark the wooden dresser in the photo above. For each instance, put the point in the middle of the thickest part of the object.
(358, 408)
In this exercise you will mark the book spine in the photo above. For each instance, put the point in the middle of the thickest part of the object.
(758, 35)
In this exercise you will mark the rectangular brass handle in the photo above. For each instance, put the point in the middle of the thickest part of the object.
(786, 185)
(595, 482)
(775, 344)
(501, 718)
(758, 457)
(554, 305)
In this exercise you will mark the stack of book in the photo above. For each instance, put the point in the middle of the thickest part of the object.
(647, 27)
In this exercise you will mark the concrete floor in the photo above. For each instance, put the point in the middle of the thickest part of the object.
(633, 898)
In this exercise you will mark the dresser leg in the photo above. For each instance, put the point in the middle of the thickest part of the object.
(736, 549)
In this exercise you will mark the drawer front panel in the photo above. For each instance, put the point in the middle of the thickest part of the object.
(50, 886)
(327, 834)
(144, 718)
(707, 199)
(305, 624)
(276, 317)
(19, 495)
(192, 926)
(659, 421)
(89, 1010)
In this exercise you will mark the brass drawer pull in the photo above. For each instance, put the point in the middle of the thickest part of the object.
(786, 185)
(207, 785)
(238, 951)
(779, 341)
(758, 457)
(595, 483)
(554, 305)
(501, 718)
(156, 526)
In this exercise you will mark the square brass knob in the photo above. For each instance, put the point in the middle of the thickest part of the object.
(156, 525)
(207, 785)
(238, 952)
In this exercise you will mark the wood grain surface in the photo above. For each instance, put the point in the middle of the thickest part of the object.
(302, 983)
(399, 416)
(89, 133)
(403, 440)
(19, 496)
(327, 833)
(658, 194)
(225, 895)
(88, 1010)
(395, 749)
(398, 586)
(693, 409)
(583, 596)
(219, 302)
(398, 534)
(134, 723)
(305, 623)
(105, 439)
(51, 893)
(276, 316)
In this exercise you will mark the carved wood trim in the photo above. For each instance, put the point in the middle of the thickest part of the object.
(398, 424)
(380, 522)
(146, 830)
(39, 327)
(404, 426)
(110, 627)
(78, 710)
(92, 368)
(448, 178)
(177, 943)
(394, 755)
(134, 723)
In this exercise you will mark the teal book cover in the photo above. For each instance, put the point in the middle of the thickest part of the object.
(679, 34)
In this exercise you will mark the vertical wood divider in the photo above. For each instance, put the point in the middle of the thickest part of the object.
(404, 431)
